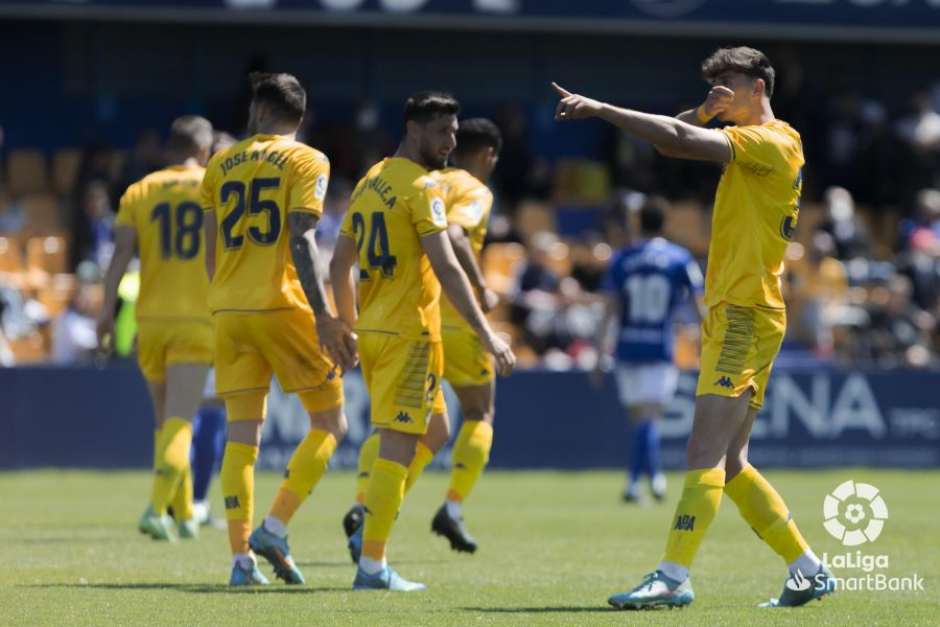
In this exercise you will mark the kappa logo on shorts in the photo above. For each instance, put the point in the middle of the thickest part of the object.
(725, 382)
(404, 417)
(231, 502)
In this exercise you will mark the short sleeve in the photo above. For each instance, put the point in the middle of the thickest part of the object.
(428, 211)
(310, 177)
(130, 199)
(207, 188)
(756, 148)
(470, 209)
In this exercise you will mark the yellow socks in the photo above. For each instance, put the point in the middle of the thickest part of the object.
(694, 513)
(383, 500)
(368, 453)
(183, 499)
(763, 509)
(471, 452)
(157, 433)
(173, 460)
(306, 467)
(423, 457)
(238, 488)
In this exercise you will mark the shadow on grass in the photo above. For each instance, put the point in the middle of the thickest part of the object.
(194, 588)
(557, 609)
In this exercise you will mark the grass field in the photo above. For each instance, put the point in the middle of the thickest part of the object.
(553, 547)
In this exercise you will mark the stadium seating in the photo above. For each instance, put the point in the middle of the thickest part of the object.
(43, 213)
(65, 165)
(26, 172)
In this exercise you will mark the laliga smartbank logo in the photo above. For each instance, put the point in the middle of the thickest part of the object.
(855, 513)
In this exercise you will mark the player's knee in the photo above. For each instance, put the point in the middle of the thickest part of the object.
(701, 452)
(332, 421)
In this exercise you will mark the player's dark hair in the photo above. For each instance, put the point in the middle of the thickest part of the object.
(741, 59)
(653, 215)
(427, 105)
(281, 93)
(189, 134)
(478, 133)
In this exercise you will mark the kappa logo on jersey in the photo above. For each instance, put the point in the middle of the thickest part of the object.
(438, 214)
(684, 522)
(231, 502)
(725, 382)
(403, 417)
(320, 189)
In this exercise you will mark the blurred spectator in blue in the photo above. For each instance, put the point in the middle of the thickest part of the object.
(73, 334)
(95, 240)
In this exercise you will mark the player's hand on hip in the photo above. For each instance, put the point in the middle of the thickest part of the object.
(338, 341)
(488, 300)
(575, 106)
(718, 100)
(104, 330)
(502, 354)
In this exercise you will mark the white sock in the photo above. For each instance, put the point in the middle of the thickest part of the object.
(200, 511)
(674, 571)
(371, 566)
(658, 483)
(275, 526)
(807, 563)
(245, 560)
(454, 509)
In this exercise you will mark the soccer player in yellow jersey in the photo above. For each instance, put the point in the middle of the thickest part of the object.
(467, 365)
(754, 216)
(396, 229)
(160, 215)
(263, 197)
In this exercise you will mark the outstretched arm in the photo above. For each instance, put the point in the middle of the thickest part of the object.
(331, 331)
(670, 136)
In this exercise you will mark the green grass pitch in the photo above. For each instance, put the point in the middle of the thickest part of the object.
(553, 547)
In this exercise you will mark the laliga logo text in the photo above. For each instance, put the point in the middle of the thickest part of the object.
(854, 514)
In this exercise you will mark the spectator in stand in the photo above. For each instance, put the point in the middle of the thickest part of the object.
(847, 230)
(898, 330)
(73, 334)
(95, 240)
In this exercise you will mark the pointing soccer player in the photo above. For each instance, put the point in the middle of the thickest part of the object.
(755, 213)
(396, 229)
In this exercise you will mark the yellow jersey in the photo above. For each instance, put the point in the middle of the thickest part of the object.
(252, 186)
(755, 214)
(163, 209)
(469, 202)
(392, 207)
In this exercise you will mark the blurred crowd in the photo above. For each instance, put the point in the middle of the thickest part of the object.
(863, 278)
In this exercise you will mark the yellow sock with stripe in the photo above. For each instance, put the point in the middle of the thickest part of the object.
(471, 452)
(175, 443)
(238, 489)
(306, 467)
(183, 499)
(383, 500)
(368, 453)
(763, 509)
(423, 457)
(695, 511)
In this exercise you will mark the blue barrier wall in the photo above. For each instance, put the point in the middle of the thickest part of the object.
(101, 418)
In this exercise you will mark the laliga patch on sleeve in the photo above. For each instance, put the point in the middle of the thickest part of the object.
(438, 216)
(320, 188)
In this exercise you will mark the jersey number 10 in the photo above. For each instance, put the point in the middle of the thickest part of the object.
(648, 298)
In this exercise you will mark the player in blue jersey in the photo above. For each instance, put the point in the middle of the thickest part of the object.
(646, 284)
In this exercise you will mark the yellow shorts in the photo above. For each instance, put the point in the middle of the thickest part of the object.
(403, 377)
(466, 362)
(739, 345)
(251, 347)
(162, 343)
